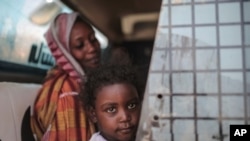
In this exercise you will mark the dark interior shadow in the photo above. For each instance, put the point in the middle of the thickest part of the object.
(26, 132)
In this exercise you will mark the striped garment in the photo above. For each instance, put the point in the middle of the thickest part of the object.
(58, 114)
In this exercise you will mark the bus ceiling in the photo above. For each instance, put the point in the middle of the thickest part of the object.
(120, 20)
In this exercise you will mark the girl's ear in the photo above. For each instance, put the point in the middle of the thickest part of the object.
(92, 114)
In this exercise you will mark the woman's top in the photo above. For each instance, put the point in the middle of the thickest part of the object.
(58, 114)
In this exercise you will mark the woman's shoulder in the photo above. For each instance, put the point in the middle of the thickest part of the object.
(59, 80)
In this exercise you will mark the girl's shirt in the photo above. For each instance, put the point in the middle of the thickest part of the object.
(97, 137)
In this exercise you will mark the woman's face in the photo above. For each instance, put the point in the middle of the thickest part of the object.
(117, 111)
(84, 46)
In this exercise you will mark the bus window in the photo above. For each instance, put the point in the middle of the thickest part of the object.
(24, 55)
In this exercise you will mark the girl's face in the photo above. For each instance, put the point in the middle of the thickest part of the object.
(84, 46)
(117, 111)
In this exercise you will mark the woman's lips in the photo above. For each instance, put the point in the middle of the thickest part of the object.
(94, 60)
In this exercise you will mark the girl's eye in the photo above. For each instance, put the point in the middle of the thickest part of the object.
(131, 106)
(111, 110)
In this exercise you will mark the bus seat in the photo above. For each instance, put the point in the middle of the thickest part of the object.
(16, 101)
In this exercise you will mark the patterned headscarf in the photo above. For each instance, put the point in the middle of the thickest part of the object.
(57, 37)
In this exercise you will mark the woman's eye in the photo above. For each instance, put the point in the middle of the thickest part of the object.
(79, 45)
(131, 106)
(93, 39)
(111, 110)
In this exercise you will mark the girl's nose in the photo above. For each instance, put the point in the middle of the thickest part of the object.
(124, 116)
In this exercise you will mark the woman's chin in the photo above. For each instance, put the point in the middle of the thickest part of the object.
(95, 65)
(91, 66)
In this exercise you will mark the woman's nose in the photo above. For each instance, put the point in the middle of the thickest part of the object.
(92, 46)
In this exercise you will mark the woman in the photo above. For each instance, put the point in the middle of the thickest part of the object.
(58, 115)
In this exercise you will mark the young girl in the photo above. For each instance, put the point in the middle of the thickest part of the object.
(112, 97)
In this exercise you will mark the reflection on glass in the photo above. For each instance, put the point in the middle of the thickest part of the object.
(164, 13)
(207, 82)
(202, 16)
(247, 57)
(162, 39)
(246, 6)
(207, 106)
(231, 58)
(226, 124)
(248, 106)
(183, 83)
(232, 82)
(232, 103)
(163, 132)
(184, 129)
(213, 35)
(182, 59)
(181, 15)
(229, 12)
(203, 1)
(205, 36)
(181, 37)
(248, 83)
(230, 35)
(209, 127)
(183, 106)
(164, 1)
(247, 34)
(206, 59)
(158, 83)
(161, 61)
(160, 105)
(180, 1)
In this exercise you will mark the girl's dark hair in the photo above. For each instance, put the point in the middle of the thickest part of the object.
(107, 75)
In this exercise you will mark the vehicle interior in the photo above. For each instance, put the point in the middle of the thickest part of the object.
(131, 24)
(128, 24)
(192, 57)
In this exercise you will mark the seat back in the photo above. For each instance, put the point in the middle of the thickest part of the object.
(16, 101)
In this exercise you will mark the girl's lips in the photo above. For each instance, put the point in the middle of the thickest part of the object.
(126, 130)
